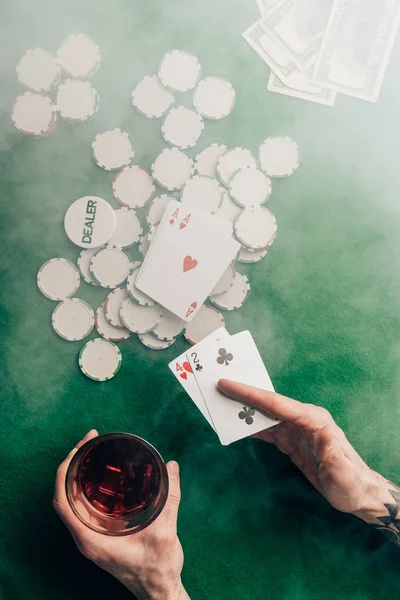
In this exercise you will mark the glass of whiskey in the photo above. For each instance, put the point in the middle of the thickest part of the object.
(117, 484)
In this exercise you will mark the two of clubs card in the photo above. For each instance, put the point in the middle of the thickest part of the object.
(222, 356)
(190, 251)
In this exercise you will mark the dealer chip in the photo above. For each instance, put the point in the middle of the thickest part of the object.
(170, 327)
(228, 210)
(108, 331)
(100, 359)
(77, 101)
(214, 98)
(250, 187)
(157, 209)
(256, 228)
(139, 319)
(38, 70)
(34, 114)
(206, 160)
(247, 256)
(127, 230)
(73, 319)
(232, 161)
(89, 222)
(279, 156)
(136, 294)
(112, 150)
(172, 168)
(182, 127)
(58, 279)
(79, 56)
(151, 98)
(235, 295)
(225, 281)
(133, 187)
(112, 306)
(83, 262)
(206, 320)
(203, 193)
(150, 341)
(179, 71)
(110, 267)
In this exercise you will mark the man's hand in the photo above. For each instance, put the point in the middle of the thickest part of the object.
(148, 563)
(319, 448)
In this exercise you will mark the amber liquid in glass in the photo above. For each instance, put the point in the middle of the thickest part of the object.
(120, 477)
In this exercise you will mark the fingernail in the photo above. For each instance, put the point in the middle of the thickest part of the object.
(173, 468)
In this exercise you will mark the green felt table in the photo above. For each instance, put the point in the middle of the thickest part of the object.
(324, 310)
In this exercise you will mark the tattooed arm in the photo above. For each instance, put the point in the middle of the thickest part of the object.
(384, 509)
(318, 447)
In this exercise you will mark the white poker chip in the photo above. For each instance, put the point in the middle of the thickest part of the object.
(225, 281)
(112, 150)
(139, 319)
(151, 98)
(112, 306)
(169, 328)
(73, 319)
(182, 127)
(38, 70)
(235, 295)
(100, 359)
(256, 228)
(151, 234)
(79, 55)
(89, 222)
(150, 341)
(228, 210)
(133, 187)
(214, 98)
(144, 244)
(232, 161)
(207, 320)
(157, 209)
(58, 279)
(247, 256)
(206, 160)
(250, 187)
(83, 262)
(202, 192)
(110, 267)
(279, 156)
(136, 294)
(179, 71)
(127, 230)
(76, 100)
(34, 114)
(172, 168)
(108, 331)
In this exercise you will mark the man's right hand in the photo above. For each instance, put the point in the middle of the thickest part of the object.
(318, 447)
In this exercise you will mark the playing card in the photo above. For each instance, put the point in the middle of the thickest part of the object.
(183, 372)
(187, 261)
(238, 359)
(177, 223)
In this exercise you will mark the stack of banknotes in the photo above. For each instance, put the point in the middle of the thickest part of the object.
(318, 48)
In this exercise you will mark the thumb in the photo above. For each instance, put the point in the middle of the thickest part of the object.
(174, 494)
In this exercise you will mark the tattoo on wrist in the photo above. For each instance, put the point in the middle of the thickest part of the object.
(390, 523)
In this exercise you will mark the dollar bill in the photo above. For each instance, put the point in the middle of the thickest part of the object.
(266, 5)
(299, 26)
(266, 46)
(302, 88)
(357, 46)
